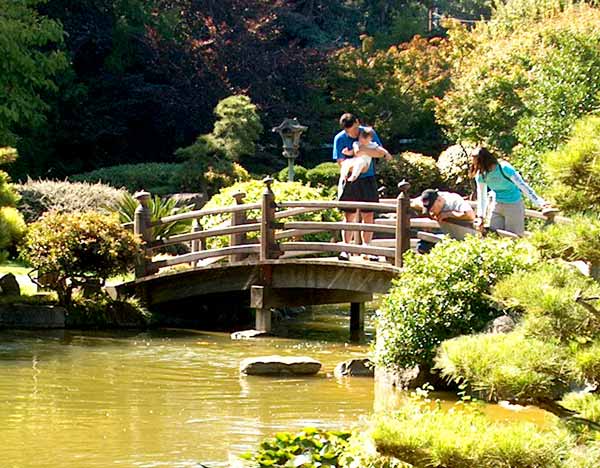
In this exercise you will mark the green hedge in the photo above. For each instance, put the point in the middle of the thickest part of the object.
(156, 178)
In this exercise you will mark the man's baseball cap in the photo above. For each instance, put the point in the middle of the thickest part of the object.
(428, 198)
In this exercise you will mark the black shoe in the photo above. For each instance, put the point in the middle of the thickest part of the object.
(373, 258)
(344, 256)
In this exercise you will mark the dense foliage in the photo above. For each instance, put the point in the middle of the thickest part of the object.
(453, 165)
(74, 249)
(30, 65)
(520, 85)
(574, 168)
(392, 89)
(441, 295)
(558, 340)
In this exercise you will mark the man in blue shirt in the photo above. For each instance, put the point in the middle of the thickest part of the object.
(362, 189)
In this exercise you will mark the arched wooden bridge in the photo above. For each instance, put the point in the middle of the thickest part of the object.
(276, 267)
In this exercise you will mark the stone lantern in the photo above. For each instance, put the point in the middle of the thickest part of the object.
(290, 131)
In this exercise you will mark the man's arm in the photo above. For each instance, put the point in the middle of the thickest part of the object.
(467, 215)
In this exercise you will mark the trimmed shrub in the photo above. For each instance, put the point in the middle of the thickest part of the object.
(453, 165)
(324, 175)
(156, 178)
(421, 171)
(284, 191)
(548, 296)
(75, 249)
(299, 174)
(41, 196)
(310, 448)
(489, 364)
(577, 240)
(442, 295)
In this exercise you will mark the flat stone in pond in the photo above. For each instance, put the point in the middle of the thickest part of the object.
(278, 365)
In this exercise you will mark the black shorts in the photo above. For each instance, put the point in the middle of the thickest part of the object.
(363, 189)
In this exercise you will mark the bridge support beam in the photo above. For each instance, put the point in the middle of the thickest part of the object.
(263, 320)
(357, 320)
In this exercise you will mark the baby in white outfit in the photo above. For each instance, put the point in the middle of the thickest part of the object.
(352, 168)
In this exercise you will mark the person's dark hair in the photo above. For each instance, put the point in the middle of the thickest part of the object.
(428, 198)
(347, 120)
(482, 161)
(366, 132)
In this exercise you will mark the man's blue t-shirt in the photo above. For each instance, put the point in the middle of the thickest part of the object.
(342, 140)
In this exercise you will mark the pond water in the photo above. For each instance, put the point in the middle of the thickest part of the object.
(171, 398)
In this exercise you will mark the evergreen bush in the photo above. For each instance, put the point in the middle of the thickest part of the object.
(419, 170)
(75, 249)
(299, 174)
(324, 175)
(442, 295)
(41, 196)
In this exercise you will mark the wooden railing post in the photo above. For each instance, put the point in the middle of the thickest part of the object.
(269, 249)
(402, 224)
(197, 245)
(237, 218)
(142, 227)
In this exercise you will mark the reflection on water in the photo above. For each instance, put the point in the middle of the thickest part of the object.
(166, 398)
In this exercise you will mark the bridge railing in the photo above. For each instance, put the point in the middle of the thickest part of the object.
(278, 235)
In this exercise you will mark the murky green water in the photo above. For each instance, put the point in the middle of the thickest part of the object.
(165, 398)
(174, 398)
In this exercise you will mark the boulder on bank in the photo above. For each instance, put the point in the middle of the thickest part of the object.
(9, 286)
(355, 368)
(279, 365)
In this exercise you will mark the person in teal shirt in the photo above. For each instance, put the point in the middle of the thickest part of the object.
(508, 187)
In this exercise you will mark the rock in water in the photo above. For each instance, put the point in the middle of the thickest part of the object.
(278, 365)
(355, 368)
